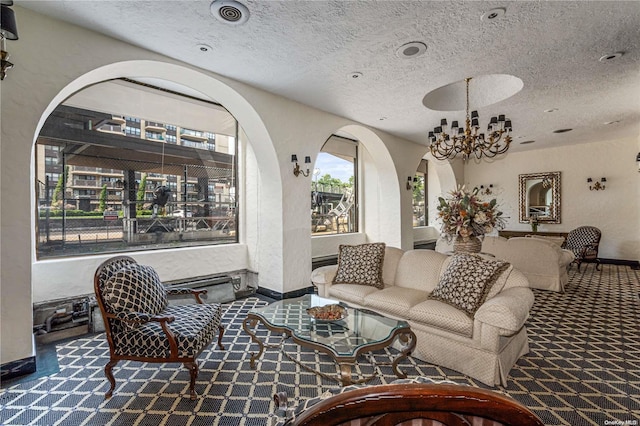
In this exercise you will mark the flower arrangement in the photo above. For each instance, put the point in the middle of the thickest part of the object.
(465, 214)
(533, 221)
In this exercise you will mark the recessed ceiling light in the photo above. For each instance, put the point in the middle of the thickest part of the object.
(526, 142)
(354, 75)
(230, 12)
(411, 50)
(551, 110)
(562, 130)
(612, 122)
(204, 48)
(610, 56)
(493, 14)
(382, 118)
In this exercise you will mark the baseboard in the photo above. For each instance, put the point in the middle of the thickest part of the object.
(288, 295)
(17, 368)
(633, 264)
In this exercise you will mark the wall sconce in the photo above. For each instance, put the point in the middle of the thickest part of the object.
(411, 181)
(485, 190)
(598, 185)
(638, 161)
(8, 31)
(296, 169)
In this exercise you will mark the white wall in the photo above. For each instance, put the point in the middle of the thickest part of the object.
(616, 210)
(275, 241)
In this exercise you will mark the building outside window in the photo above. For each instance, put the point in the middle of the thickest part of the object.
(200, 208)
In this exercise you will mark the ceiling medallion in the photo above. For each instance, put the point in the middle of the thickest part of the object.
(468, 142)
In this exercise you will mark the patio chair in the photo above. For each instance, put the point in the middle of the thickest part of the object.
(141, 326)
(341, 211)
(584, 242)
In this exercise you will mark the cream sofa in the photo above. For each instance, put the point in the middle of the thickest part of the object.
(541, 260)
(484, 347)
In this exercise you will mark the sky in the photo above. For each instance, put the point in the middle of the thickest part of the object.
(335, 166)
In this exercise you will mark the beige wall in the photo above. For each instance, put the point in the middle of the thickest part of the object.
(616, 210)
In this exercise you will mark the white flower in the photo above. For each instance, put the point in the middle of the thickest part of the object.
(480, 218)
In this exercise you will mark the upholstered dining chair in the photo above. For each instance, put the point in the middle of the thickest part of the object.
(141, 326)
(584, 242)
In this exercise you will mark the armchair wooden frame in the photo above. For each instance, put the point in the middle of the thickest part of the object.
(393, 404)
(103, 272)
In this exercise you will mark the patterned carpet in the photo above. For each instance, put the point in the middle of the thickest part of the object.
(583, 369)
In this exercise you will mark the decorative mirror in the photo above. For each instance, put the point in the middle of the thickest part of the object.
(540, 197)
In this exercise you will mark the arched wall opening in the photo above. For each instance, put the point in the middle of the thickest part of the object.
(256, 252)
(379, 196)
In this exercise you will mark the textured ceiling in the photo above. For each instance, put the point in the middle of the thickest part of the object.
(305, 51)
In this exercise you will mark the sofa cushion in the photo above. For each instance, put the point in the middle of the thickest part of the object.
(135, 288)
(443, 316)
(351, 292)
(557, 241)
(419, 269)
(500, 282)
(392, 256)
(394, 300)
(360, 264)
(467, 281)
(194, 327)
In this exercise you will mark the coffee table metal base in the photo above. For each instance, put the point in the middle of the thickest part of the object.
(405, 336)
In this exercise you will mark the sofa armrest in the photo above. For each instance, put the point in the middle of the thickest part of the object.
(508, 310)
(322, 278)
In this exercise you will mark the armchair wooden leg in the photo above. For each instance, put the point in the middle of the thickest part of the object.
(597, 264)
(220, 334)
(109, 373)
(193, 371)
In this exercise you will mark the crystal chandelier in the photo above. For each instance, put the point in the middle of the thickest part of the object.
(469, 141)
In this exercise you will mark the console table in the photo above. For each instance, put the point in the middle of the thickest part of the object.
(510, 234)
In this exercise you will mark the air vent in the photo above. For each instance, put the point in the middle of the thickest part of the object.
(230, 12)
(562, 130)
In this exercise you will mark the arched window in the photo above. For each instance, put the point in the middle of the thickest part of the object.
(334, 188)
(125, 166)
(420, 216)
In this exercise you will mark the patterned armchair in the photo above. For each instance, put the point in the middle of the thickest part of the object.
(584, 242)
(141, 326)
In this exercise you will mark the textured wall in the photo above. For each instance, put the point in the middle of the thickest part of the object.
(616, 210)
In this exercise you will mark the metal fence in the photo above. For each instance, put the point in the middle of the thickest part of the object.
(95, 205)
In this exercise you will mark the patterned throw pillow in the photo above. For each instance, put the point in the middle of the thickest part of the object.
(467, 281)
(361, 264)
(135, 288)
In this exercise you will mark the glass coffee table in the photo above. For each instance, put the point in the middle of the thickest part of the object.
(343, 340)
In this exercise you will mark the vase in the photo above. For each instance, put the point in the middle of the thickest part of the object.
(470, 244)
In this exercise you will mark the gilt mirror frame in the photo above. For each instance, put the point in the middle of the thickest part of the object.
(539, 196)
